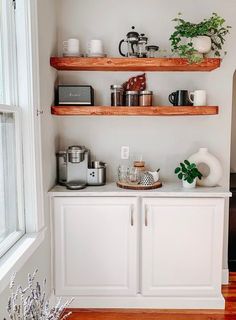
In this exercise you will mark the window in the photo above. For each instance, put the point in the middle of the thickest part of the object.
(11, 201)
(12, 221)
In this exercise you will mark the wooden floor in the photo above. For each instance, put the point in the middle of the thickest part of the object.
(229, 292)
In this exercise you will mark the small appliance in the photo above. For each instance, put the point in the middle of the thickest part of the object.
(75, 95)
(76, 171)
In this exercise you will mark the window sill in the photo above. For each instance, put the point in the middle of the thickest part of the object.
(17, 256)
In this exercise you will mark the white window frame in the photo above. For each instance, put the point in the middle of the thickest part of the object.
(10, 240)
(26, 19)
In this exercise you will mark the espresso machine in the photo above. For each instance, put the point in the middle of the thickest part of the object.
(76, 171)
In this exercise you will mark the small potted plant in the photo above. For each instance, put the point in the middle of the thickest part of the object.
(188, 173)
(194, 40)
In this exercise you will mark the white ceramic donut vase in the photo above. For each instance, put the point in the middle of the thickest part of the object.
(215, 168)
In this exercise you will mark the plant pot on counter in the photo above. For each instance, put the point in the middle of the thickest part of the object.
(202, 44)
(187, 185)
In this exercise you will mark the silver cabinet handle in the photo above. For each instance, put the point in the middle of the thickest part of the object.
(132, 217)
(146, 217)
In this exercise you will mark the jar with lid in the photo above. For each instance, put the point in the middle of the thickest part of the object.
(131, 98)
(117, 95)
(145, 98)
(152, 51)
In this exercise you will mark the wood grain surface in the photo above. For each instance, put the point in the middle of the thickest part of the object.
(127, 186)
(132, 64)
(133, 111)
(229, 313)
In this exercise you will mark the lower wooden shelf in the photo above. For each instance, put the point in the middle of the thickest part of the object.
(134, 111)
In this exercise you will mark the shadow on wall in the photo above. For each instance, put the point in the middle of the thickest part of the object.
(233, 130)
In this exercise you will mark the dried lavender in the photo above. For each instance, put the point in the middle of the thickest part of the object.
(30, 303)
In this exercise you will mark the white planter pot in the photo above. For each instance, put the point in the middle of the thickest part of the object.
(187, 185)
(214, 165)
(202, 44)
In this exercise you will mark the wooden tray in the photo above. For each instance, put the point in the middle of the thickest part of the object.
(156, 185)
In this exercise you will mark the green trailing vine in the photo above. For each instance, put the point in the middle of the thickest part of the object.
(185, 31)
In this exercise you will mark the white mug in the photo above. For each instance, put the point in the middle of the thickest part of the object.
(71, 47)
(198, 98)
(95, 47)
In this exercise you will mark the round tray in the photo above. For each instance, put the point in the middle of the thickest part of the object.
(156, 185)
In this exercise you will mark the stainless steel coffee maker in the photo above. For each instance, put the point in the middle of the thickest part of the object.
(75, 171)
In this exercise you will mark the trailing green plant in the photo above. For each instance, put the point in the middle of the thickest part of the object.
(188, 171)
(214, 27)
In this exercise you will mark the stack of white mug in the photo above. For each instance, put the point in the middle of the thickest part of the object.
(71, 47)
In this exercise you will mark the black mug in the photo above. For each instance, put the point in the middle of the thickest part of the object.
(180, 98)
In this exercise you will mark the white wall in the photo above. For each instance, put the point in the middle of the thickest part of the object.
(164, 142)
(47, 43)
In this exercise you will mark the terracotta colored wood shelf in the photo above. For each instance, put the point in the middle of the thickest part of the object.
(132, 64)
(134, 111)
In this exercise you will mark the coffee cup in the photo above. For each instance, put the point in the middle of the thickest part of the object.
(198, 98)
(180, 98)
(71, 47)
(95, 47)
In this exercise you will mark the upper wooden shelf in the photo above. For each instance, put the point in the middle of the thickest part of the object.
(134, 111)
(132, 64)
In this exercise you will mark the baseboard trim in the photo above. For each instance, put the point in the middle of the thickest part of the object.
(225, 276)
(147, 302)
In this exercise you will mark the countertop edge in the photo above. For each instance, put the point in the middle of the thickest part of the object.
(168, 190)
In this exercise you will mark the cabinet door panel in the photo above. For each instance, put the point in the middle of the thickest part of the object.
(182, 246)
(96, 247)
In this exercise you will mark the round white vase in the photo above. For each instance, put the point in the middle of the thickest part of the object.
(187, 185)
(214, 165)
(202, 44)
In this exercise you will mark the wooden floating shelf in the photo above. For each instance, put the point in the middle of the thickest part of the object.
(134, 111)
(132, 64)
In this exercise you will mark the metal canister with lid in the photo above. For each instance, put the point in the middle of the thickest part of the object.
(131, 98)
(117, 95)
(145, 98)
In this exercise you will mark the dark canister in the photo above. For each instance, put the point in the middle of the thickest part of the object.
(131, 98)
(117, 95)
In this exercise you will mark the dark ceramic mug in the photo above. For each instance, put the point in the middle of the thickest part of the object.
(180, 98)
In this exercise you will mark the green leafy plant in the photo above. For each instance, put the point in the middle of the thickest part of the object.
(214, 27)
(188, 171)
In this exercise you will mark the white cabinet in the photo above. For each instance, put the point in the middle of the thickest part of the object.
(95, 246)
(139, 251)
(182, 247)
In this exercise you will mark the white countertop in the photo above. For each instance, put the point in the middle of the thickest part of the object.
(168, 190)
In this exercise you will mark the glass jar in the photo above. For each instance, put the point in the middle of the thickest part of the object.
(145, 98)
(131, 98)
(133, 176)
(123, 172)
(152, 51)
(117, 94)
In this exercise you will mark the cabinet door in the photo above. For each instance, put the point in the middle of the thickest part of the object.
(182, 242)
(95, 246)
